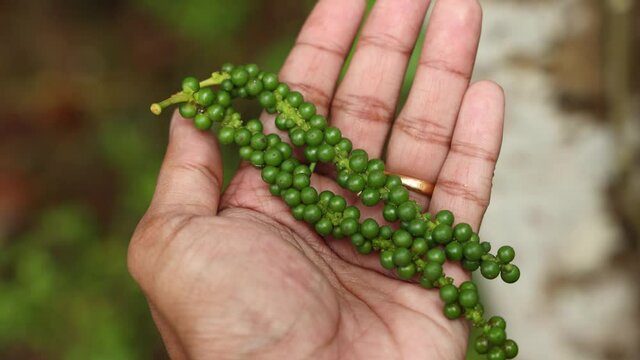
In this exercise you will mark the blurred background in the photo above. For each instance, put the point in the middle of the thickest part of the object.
(79, 155)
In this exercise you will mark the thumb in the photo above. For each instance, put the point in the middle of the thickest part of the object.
(190, 179)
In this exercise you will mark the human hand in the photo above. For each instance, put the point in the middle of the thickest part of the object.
(233, 275)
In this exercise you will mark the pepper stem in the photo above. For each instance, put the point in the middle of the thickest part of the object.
(216, 79)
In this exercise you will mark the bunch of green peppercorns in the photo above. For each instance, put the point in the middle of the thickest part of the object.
(419, 243)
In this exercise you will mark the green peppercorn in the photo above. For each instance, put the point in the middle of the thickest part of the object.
(309, 195)
(337, 204)
(204, 97)
(468, 285)
(470, 265)
(398, 195)
(270, 81)
(468, 298)
(462, 232)
(355, 183)
(369, 228)
(402, 256)
(510, 349)
(419, 246)
(406, 272)
(376, 179)
(432, 271)
(245, 152)
(510, 273)
(224, 98)
(281, 122)
(188, 110)
(190, 84)
(497, 321)
(282, 89)
(402, 238)
(257, 158)
(452, 311)
(297, 136)
(202, 122)
(436, 255)
(442, 233)
(267, 99)
(242, 137)
(407, 211)
(227, 85)
(326, 153)
(252, 70)
(289, 165)
(226, 135)
(311, 153)
(386, 259)
(358, 163)
(291, 197)
(349, 226)
(317, 121)
(489, 269)
(284, 180)
(312, 214)
(269, 174)
(472, 251)
(239, 76)
(506, 254)
(481, 345)
(365, 248)
(324, 227)
(358, 240)
(298, 211)
(272, 157)
(343, 144)
(453, 250)
(496, 336)
(215, 112)
(445, 217)
(227, 67)
(449, 293)
(425, 282)
(294, 99)
(351, 212)
(390, 213)
(370, 197)
(307, 110)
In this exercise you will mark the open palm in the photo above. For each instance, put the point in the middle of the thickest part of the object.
(234, 276)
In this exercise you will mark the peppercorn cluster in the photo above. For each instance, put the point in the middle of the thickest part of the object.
(414, 243)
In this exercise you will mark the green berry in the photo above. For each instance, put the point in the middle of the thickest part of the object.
(270, 81)
(259, 142)
(337, 204)
(291, 197)
(227, 85)
(226, 135)
(254, 87)
(202, 122)
(375, 165)
(496, 336)
(452, 311)
(449, 293)
(462, 232)
(432, 271)
(393, 181)
(349, 226)
(406, 272)
(442, 233)
(489, 269)
(351, 212)
(309, 195)
(355, 183)
(252, 70)
(386, 232)
(445, 217)
(369, 228)
(227, 67)
(365, 248)
(301, 181)
(298, 212)
(498, 321)
(506, 254)
(453, 250)
(242, 137)
(496, 353)
(407, 211)
(398, 195)
(314, 137)
(272, 157)
(326, 153)
(419, 246)
(358, 240)
(386, 259)
(402, 257)
(333, 136)
(269, 174)
(295, 99)
(297, 136)
(245, 152)
(376, 179)
(204, 97)
(282, 89)
(510, 349)
(311, 153)
(239, 76)
(257, 158)
(510, 273)
(317, 121)
(470, 265)
(307, 110)
(468, 285)
(358, 163)
(267, 99)
(224, 98)
(216, 112)
(190, 84)
(370, 197)
(312, 214)
(468, 298)
(481, 345)
(472, 251)
(284, 180)
(324, 227)
(402, 238)
(417, 227)
(390, 213)
(436, 255)
(188, 110)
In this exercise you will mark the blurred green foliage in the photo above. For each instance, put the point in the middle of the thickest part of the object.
(65, 292)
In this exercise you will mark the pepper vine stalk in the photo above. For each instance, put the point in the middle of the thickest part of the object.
(185, 95)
